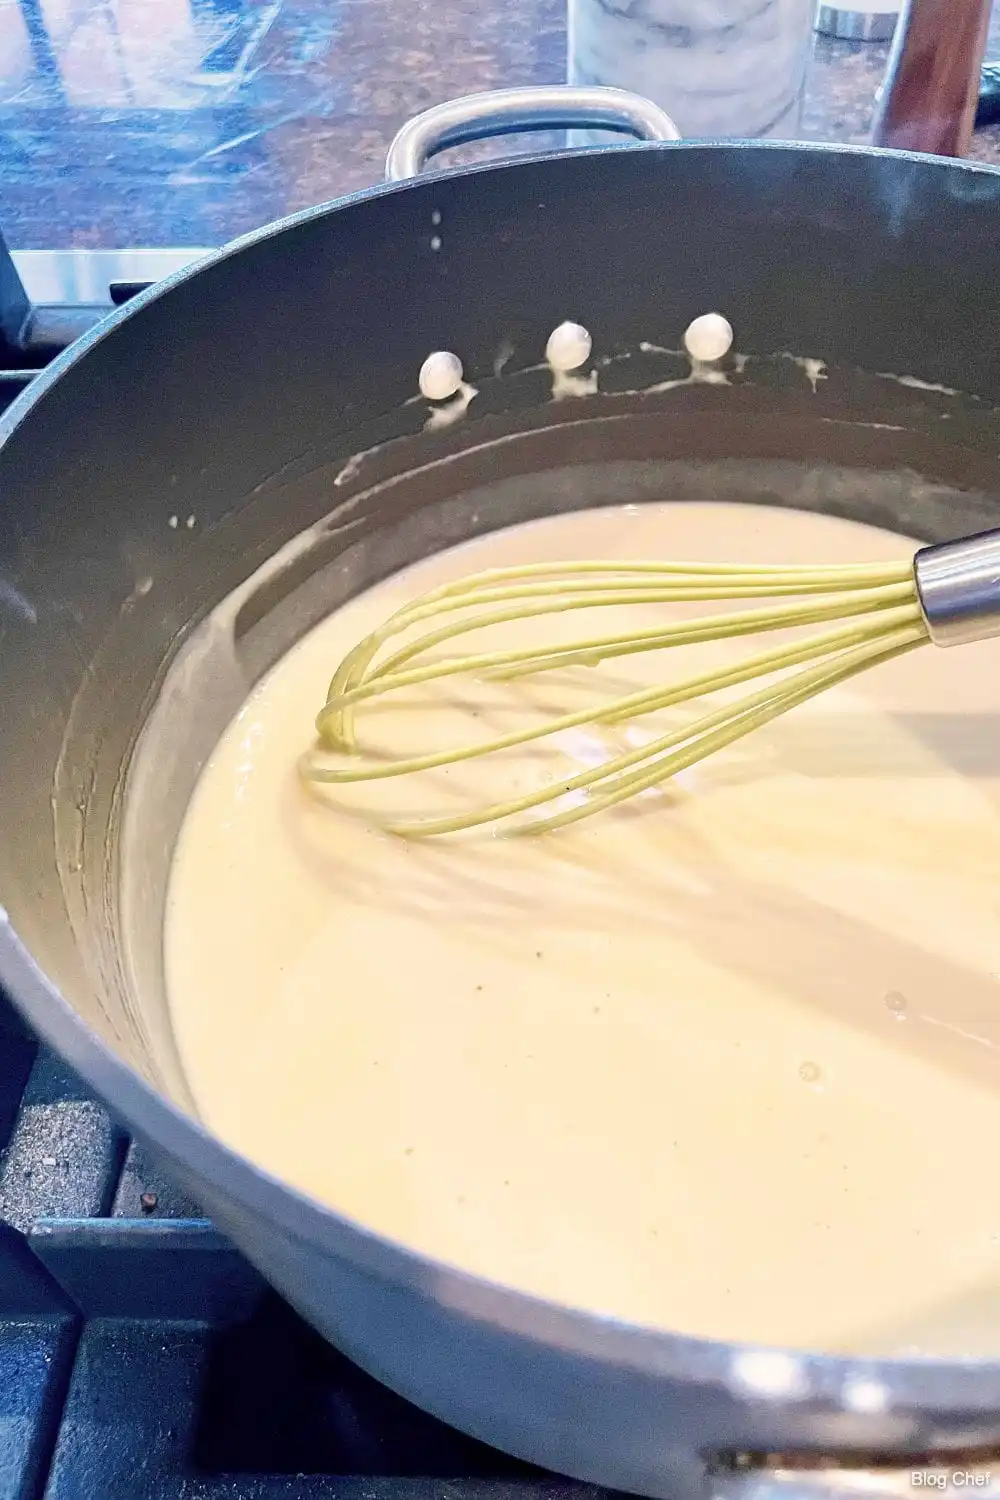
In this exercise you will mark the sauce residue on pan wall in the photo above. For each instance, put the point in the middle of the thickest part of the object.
(724, 1061)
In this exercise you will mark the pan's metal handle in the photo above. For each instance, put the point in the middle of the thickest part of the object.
(840, 1483)
(477, 117)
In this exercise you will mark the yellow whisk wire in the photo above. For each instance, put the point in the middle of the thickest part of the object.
(351, 686)
(880, 601)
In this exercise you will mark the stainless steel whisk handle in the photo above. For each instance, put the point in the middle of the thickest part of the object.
(958, 585)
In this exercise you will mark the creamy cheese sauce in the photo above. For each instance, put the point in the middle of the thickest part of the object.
(724, 1060)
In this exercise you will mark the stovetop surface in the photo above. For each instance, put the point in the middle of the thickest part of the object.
(140, 1355)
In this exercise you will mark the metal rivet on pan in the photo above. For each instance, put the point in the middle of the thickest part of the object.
(568, 347)
(440, 375)
(708, 338)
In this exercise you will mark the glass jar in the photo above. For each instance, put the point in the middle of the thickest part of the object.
(718, 67)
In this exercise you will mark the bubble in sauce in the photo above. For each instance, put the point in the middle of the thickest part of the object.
(708, 338)
(568, 347)
(810, 1072)
(440, 375)
(896, 1002)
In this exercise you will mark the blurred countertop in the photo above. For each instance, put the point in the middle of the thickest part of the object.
(121, 128)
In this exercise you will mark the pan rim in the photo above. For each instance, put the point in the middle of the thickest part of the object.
(15, 414)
